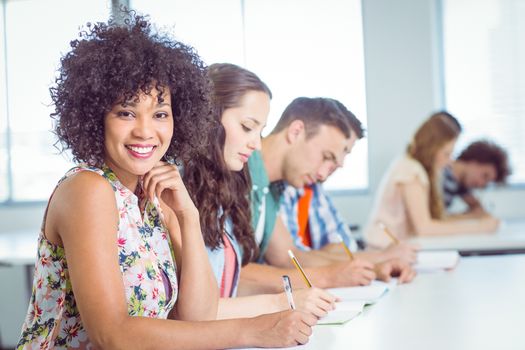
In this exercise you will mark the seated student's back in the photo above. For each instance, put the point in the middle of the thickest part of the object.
(391, 207)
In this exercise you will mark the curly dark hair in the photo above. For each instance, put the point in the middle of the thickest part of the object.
(217, 191)
(488, 152)
(114, 63)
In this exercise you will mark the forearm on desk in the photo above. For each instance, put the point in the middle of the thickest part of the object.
(250, 306)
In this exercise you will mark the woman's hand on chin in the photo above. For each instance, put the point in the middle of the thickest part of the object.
(165, 182)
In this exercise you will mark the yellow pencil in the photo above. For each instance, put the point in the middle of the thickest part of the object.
(389, 234)
(347, 250)
(296, 263)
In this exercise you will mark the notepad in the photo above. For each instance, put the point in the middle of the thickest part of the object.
(388, 285)
(337, 317)
(428, 260)
(350, 305)
(367, 294)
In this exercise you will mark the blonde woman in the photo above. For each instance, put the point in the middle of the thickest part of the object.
(409, 202)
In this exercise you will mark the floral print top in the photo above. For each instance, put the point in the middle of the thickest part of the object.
(146, 261)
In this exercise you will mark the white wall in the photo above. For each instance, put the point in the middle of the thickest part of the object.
(402, 86)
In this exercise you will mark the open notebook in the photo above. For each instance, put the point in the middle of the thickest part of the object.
(428, 260)
(367, 294)
(344, 312)
(337, 317)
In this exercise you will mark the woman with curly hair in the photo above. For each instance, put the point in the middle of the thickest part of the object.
(121, 249)
(219, 183)
(409, 201)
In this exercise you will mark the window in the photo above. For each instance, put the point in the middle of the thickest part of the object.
(484, 74)
(213, 28)
(37, 33)
(4, 173)
(299, 48)
(294, 49)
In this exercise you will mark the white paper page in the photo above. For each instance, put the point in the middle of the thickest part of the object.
(369, 294)
(350, 305)
(338, 317)
(436, 260)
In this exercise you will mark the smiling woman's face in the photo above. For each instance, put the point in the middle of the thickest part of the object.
(137, 135)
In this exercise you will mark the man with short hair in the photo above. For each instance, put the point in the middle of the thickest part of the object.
(481, 163)
(315, 223)
(307, 143)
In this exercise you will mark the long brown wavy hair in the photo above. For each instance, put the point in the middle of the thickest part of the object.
(431, 136)
(218, 192)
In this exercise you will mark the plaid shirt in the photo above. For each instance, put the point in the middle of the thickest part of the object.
(324, 222)
(451, 187)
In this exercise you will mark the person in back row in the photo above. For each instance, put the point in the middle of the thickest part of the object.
(408, 202)
(306, 143)
(481, 163)
(315, 223)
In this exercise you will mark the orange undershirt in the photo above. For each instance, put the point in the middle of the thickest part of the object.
(303, 206)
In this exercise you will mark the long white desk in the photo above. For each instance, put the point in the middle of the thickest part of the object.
(479, 305)
(510, 239)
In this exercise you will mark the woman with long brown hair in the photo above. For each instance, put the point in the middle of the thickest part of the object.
(220, 185)
(409, 201)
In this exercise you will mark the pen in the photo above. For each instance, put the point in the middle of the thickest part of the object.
(296, 263)
(389, 234)
(347, 250)
(288, 291)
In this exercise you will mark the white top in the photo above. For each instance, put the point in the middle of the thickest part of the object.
(389, 205)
